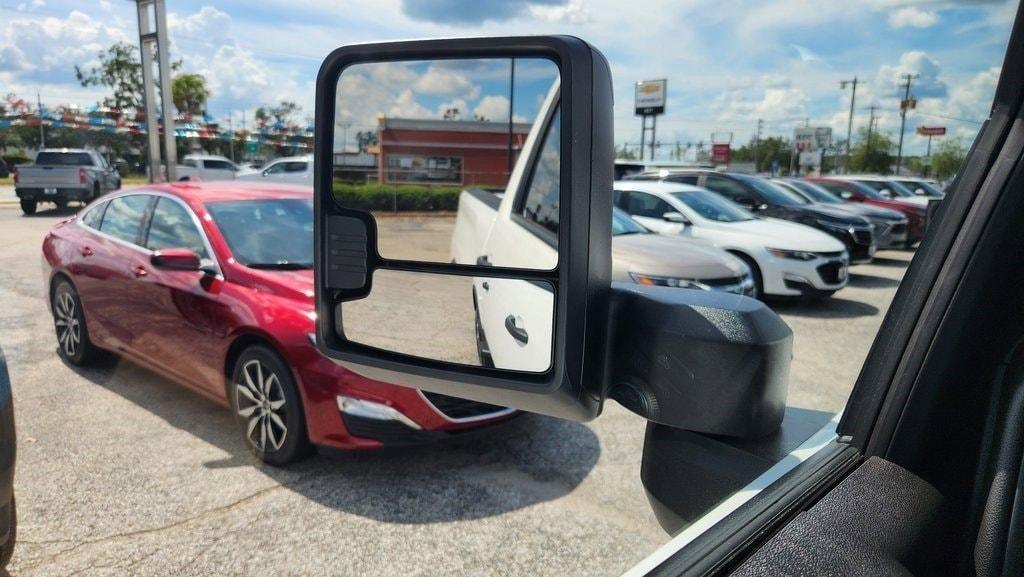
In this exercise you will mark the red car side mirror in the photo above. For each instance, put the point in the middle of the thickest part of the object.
(176, 259)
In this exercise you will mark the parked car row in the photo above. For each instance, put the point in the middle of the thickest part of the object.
(207, 167)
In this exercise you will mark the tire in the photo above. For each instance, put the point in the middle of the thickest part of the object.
(755, 271)
(28, 207)
(61, 203)
(96, 192)
(73, 344)
(267, 407)
(7, 549)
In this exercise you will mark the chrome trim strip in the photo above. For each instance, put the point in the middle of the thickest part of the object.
(495, 414)
(812, 445)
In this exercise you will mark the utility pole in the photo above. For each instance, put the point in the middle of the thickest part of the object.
(42, 132)
(904, 105)
(849, 123)
(757, 143)
(231, 136)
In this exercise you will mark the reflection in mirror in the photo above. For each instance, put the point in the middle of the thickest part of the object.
(502, 323)
(433, 142)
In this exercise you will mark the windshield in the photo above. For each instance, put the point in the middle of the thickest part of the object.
(772, 192)
(64, 159)
(712, 206)
(894, 189)
(623, 224)
(814, 192)
(271, 233)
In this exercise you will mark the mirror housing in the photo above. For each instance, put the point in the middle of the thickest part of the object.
(176, 259)
(346, 253)
(702, 361)
(674, 217)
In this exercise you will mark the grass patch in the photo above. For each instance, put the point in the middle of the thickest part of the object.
(400, 197)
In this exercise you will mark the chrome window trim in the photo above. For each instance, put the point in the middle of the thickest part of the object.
(195, 221)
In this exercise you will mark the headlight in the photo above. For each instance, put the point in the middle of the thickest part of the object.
(650, 280)
(792, 254)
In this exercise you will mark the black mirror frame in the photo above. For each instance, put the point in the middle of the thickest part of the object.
(346, 255)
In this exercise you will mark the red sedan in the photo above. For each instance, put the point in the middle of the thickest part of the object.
(851, 191)
(211, 285)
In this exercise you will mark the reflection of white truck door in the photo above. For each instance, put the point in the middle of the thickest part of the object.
(517, 316)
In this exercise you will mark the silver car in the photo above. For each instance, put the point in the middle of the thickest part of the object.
(643, 257)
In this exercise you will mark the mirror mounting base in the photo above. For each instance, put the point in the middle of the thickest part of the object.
(707, 362)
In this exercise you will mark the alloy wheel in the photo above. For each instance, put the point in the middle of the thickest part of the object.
(259, 398)
(69, 329)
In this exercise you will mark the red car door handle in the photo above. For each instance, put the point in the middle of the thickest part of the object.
(86, 251)
(139, 271)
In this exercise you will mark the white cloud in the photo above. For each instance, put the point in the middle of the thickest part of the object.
(492, 107)
(206, 25)
(571, 13)
(446, 82)
(912, 16)
(47, 48)
(928, 83)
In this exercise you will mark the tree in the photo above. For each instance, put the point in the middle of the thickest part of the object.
(948, 158)
(282, 113)
(121, 71)
(190, 93)
(872, 153)
(366, 139)
(451, 114)
(764, 151)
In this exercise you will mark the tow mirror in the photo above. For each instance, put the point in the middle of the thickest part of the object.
(494, 286)
(674, 217)
(176, 259)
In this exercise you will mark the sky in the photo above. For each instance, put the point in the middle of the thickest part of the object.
(729, 63)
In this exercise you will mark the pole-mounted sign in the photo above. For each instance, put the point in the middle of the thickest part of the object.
(931, 130)
(649, 102)
(650, 97)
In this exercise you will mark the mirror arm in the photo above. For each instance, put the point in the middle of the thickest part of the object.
(703, 361)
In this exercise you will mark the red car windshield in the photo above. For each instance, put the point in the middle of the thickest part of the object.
(267, 233)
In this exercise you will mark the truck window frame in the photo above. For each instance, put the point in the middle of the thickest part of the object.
(549, 237)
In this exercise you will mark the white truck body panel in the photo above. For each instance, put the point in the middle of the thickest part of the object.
(485, 235)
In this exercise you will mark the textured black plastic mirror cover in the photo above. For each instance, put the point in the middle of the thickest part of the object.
(698, 360)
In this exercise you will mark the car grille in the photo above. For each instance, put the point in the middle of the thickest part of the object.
(863, 236)
(830, 272)
(456, 408)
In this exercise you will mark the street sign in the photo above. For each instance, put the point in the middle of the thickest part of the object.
(650, 97)
(720, 153)
(931, 130)
(811, 157)
(811, 138)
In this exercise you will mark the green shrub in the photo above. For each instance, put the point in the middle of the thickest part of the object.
(401, 197)
(15, 159)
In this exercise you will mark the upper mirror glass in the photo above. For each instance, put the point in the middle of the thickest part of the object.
(432, 149)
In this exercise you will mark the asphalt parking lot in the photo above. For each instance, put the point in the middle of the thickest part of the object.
(121, 472)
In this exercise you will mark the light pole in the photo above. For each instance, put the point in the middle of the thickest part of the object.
(153, 35)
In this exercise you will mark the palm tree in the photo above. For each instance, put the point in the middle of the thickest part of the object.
(190, 93)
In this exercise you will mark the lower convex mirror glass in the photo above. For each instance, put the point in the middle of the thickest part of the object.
(478, 321)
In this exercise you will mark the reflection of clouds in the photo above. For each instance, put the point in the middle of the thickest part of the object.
(426, 89)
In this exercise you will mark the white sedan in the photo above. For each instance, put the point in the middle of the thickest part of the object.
(786, 258)
(290, 169)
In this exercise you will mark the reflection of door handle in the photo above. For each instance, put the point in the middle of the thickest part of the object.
(517, 333)
(86, 251)
(483, 261)
(139, 271)
(485, 285)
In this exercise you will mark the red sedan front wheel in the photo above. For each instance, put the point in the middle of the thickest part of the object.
(268, 408)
